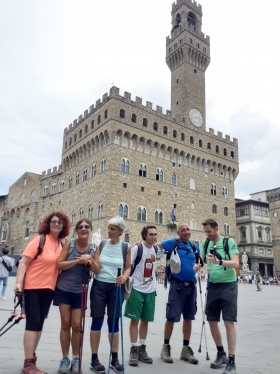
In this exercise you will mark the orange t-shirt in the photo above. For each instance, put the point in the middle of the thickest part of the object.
(42, 272)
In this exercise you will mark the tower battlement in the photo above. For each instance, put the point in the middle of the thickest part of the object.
(193, 30)
(50, 172)
(190, 3)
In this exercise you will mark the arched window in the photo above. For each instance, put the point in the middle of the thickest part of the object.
(5, 232)
(214, 208)
(192, 184)
(106, 113)
(213, 189)
(12, 202)
(174, 134)
(92, 124)
(21, 200)
(231, 154)
(225, 211)
(84, 175)
(75, 137)
(165, 130)
(155, 126)
(100, 211)
(93, 170)
(225, 192)
(145, 122)
(73, 218)
(103, 165)
(200, 143)
(99, 119)
(209, 146)
(53, 189)
(70, 182)
(125, 165)
(86, 129)
(90, 213)
(158, 217)
(33, 196)
(133, 118)
(191, 140)
(45, 190)
(225, 152)
(141, 214)
(126, 238)
(80, 133)
(226, 229)
(182, 136)
(123, 210)
(61, 186)
(26, 229)
(77, 178)
(66, 144)
(174, 179)
(70, 141)
(81, 214)
(142, 171)
(159, 175)
(217, 149)
(122, 113)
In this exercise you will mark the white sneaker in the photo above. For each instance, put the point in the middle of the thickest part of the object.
(3, 298)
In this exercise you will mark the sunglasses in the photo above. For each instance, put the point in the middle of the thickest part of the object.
(80, 227)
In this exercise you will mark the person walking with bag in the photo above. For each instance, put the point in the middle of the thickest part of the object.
(182, 292)
(36, 276)
(258, 279)
(75, 256)
(6, 266)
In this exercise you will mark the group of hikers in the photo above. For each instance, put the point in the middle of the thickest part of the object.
(51, 273)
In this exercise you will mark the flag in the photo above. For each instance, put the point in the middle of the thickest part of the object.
(172, 216)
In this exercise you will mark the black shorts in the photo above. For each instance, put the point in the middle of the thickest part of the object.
(181, 300)
(103, 295)
(68, 298)
(222, 297)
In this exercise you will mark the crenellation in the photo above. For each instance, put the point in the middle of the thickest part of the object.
(86, 113)
(227, 137)
(211, 131)
(149, 105)
(43, 173)
(98, 104)
(49, 171)
(235, 142)
(138, 100)
(91, 108)
(75, 122)
(114, 91)
(127, 96)
(80, 118)
(159, 109)
(168, 114)
(192, 4)
(219, 134)
(104, 97)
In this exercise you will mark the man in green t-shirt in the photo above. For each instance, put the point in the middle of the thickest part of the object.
(222, 293)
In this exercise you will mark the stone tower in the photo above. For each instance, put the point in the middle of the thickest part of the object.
(273, 197)
(188, 56)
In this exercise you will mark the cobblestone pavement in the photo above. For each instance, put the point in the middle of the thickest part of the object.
(258, 331)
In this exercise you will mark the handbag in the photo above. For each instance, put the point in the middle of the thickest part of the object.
(175, 262)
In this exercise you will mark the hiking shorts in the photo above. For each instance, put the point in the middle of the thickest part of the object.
(103, 295)
(181, 300)
(222, 297)
(68, 298)
(140, 306)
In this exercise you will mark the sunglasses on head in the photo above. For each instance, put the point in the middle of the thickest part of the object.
(80, 227)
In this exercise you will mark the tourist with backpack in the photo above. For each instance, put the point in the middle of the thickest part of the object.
(36, 277)
(222, 258)
(113, 254)
(75, 256)
(182, 292)
(6, 266)
(141, 304)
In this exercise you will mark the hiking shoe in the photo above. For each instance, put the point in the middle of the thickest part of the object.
(75, 366)
(143, 355)
(97, 367)
(64, 366)
(165, 354)
(230, 369)
(30, 368)
(116, 366)
(220, 360)
(188, 355)
(133, 356)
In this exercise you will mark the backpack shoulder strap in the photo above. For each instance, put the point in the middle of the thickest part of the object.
(102, 245)
(138, 257)
(155, 248)
(193, 246)
(177, 243)
(226, 247)
(124, 250)
(206, 244)
(41, 245)
(72, 246)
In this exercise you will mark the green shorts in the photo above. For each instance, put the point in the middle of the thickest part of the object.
(140, 306)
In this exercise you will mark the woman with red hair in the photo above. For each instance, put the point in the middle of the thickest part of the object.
(37, 275)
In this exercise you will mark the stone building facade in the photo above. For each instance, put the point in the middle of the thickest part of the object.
(273, 197)
(123, 156)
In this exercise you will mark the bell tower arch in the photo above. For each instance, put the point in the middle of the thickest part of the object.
(188, 56)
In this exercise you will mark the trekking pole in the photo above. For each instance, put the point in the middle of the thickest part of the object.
(203, 319)
(114, 318)
(121, 321)
(86, 278)
(14, 314)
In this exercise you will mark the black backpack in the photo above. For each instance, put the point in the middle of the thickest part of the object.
(39, 251)
(139, 256)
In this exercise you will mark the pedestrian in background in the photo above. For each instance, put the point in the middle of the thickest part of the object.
(6, 265)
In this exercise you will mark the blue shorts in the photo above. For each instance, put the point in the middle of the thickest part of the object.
(68, 298)
(181, 300)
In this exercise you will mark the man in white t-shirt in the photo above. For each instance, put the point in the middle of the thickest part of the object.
(141, 304)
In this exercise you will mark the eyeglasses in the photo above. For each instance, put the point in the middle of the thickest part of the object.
(80, 227)
(57, 222)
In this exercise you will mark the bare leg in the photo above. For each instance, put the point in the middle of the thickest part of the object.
(231, 337)
(215, 332)
(187, 329)
(29, 343)
(143, 329)
(65, 333)
(133, 330)
(94, 341)
(168, 329)
(115, 345)
(75, 324)
(38, 337)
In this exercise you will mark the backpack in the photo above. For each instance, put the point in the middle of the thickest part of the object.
(139, 256)
(177, 243)
(39, 251)
(225, 246)
(8, 267)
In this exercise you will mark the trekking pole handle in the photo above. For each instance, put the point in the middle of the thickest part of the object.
(119, 272)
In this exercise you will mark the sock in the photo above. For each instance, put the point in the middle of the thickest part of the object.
(75, 357)
(65, 357)
(231, 358)
(186, 342)
(166, 341)
(133, 344)
(114, 356)
(141, 341)
(221, 349)
(94, 357)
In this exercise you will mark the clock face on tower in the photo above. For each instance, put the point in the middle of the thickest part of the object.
(195, 117)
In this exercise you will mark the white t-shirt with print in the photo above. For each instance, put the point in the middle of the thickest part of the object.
(144, 278)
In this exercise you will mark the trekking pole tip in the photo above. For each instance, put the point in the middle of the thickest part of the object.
(199, 349)
(207, 356)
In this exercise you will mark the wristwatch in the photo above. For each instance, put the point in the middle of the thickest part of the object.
(221, 262)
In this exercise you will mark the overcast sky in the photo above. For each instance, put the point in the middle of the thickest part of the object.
(59, 56)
